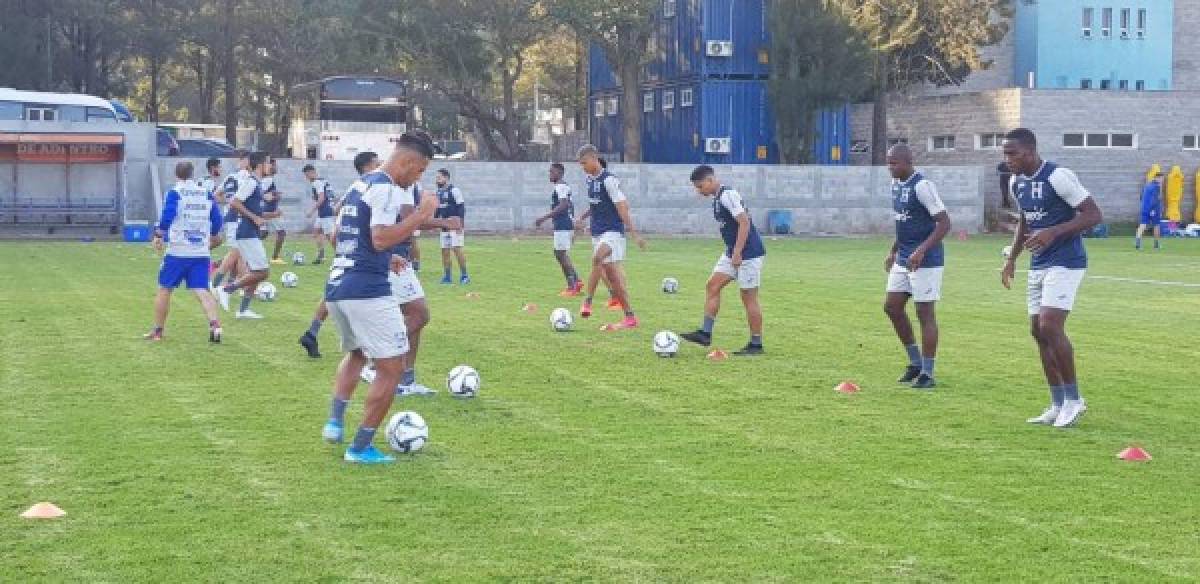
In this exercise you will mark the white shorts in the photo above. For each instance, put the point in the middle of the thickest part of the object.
(563, 240)
(1053, 287)
(254, 254)
(406, 287)
(748, 276)
(231, 233)
(417, 233)
(324, 225)
(275, 225)
(924, 285)
(374, 326)
(451, 239)
(615, 241)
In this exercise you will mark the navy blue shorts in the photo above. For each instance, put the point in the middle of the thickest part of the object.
(176, 271)
(1150, 219)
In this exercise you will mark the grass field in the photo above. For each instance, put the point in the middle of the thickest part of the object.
(588, 458)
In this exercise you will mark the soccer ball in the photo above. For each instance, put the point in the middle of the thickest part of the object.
(266, 292)
(670, 285)
(561, 320)
(289, 279)
(1007, 251)
(298, 258)
(666, 344)
(463, 381)
(407, 432)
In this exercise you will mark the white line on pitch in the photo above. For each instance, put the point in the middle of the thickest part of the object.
(1142, 281)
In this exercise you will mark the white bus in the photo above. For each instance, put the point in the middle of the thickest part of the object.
(35, 106)
(337, 117)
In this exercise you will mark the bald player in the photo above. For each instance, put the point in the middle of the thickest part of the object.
(914, 264)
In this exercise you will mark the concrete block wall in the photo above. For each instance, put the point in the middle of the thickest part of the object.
(1187, 48)
(507, 197)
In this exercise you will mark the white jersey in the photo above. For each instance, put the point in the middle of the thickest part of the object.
(192, 219)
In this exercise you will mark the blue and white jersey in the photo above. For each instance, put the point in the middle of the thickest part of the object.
(209, 184)
(450, 202)
(318, 188)
(604, 192)
(916, 202)
(410, 196)
(249, 192)
(1049, 198)
(190, 216)
(727, 207)
(230, 185)
(271, 197)
(563, 221)
(359, 270)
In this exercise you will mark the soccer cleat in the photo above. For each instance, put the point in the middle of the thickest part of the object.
(446, 281)
(415, 389)
(910, 374)
(248, 315)
(614, 304)
(223, 298)
(277, 261)
(569, 293)
(750, 350)
(153, 336)
(585, 311)
(367, 374)
(924, 381)
(579, 286)
(309, 342)
(214, 335)
(630, 322)
(332, 432)
(368, 455)
(1047, 418)
(463, 281)
(1071, 411)
(699, 337)
(318, 261)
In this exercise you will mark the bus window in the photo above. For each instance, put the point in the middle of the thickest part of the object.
(99, 114)
(72, 113)
(11, 110)
(351, 113)
(40, 114)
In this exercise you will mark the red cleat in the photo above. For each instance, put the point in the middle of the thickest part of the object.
(578, 287)
(630, 322)
(586, 310)
(614, 304)
(569, 293)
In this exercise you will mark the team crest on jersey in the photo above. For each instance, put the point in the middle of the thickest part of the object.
(903, 216)
(905, 193)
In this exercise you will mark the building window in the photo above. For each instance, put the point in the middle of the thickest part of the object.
(1125, 15)
(1106, 22)
(613, 106)
(668, 100)
(941, 144)
(1072, 140)
(1191, 142)
(1097, 141)
(1088, 13)
(599, 108)
(1141, 23)
(1123, 84)
(685, 97)
(1121, 141)
(1112, 140)
(1106, 84)
(1085, 83)
(989, 141)
(896, 141)
(648, 102)
(40, 114)
(668, 8)
(1140, 85)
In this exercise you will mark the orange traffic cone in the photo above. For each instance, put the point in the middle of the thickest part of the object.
(847, 387)
(1134, 454)
(43, 511)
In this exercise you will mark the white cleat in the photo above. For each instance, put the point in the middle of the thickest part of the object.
(1047, 418)
(415, 389)
(223, 298)
(1072, 410)
(368, 374)
(248, 315)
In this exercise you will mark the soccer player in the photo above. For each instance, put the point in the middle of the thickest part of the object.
(451, 204)
(189, 227)
(322, 196)
(914, 264)
(1055, 211)
(1151, 211)
(364, 163)
(248, 202)
(212, 166)
(610, 221)
(562, 213)
(360, 298)
(231, 263)
(742, 261)
(271, 199)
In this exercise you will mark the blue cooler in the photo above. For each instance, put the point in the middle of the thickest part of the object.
(137, 231)
(779, 222)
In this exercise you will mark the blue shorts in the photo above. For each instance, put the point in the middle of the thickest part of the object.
(177, 270)
(1150, 219)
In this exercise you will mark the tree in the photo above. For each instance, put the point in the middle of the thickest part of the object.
(155, 27)
(622, 29)
(922, 41)
(817, 61)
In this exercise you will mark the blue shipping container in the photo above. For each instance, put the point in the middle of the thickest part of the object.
(744, 23)
(600, 74)
(741, 112)
(606, 122)
(831, 142)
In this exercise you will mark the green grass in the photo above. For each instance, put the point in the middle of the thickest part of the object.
(588, 458)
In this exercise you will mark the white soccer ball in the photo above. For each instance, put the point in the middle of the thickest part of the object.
(666, 344)
(1007, 251)
(298, 258)
(266, 292)
(463, 381)
(561, 320)
(289, 279)
(407, 432)
(670, 285)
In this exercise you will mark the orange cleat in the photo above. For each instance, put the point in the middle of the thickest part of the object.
(614, 304)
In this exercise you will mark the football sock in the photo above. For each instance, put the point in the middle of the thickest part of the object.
(321, 253)
(1071, 391)
(756, 340)
(409, 377)
(212, 324)
(1156, 244)
(416, 266)
(337, 410)
(707, 325)
(158, 330)
(315, 327)
(628, 313)
(447, 273)
(217, 279)
(464, 273)
(1057, 394)
(927, 366)
(1137, 243)
(914, 355)
(246, 302)
(362, 439)
(588, 300)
